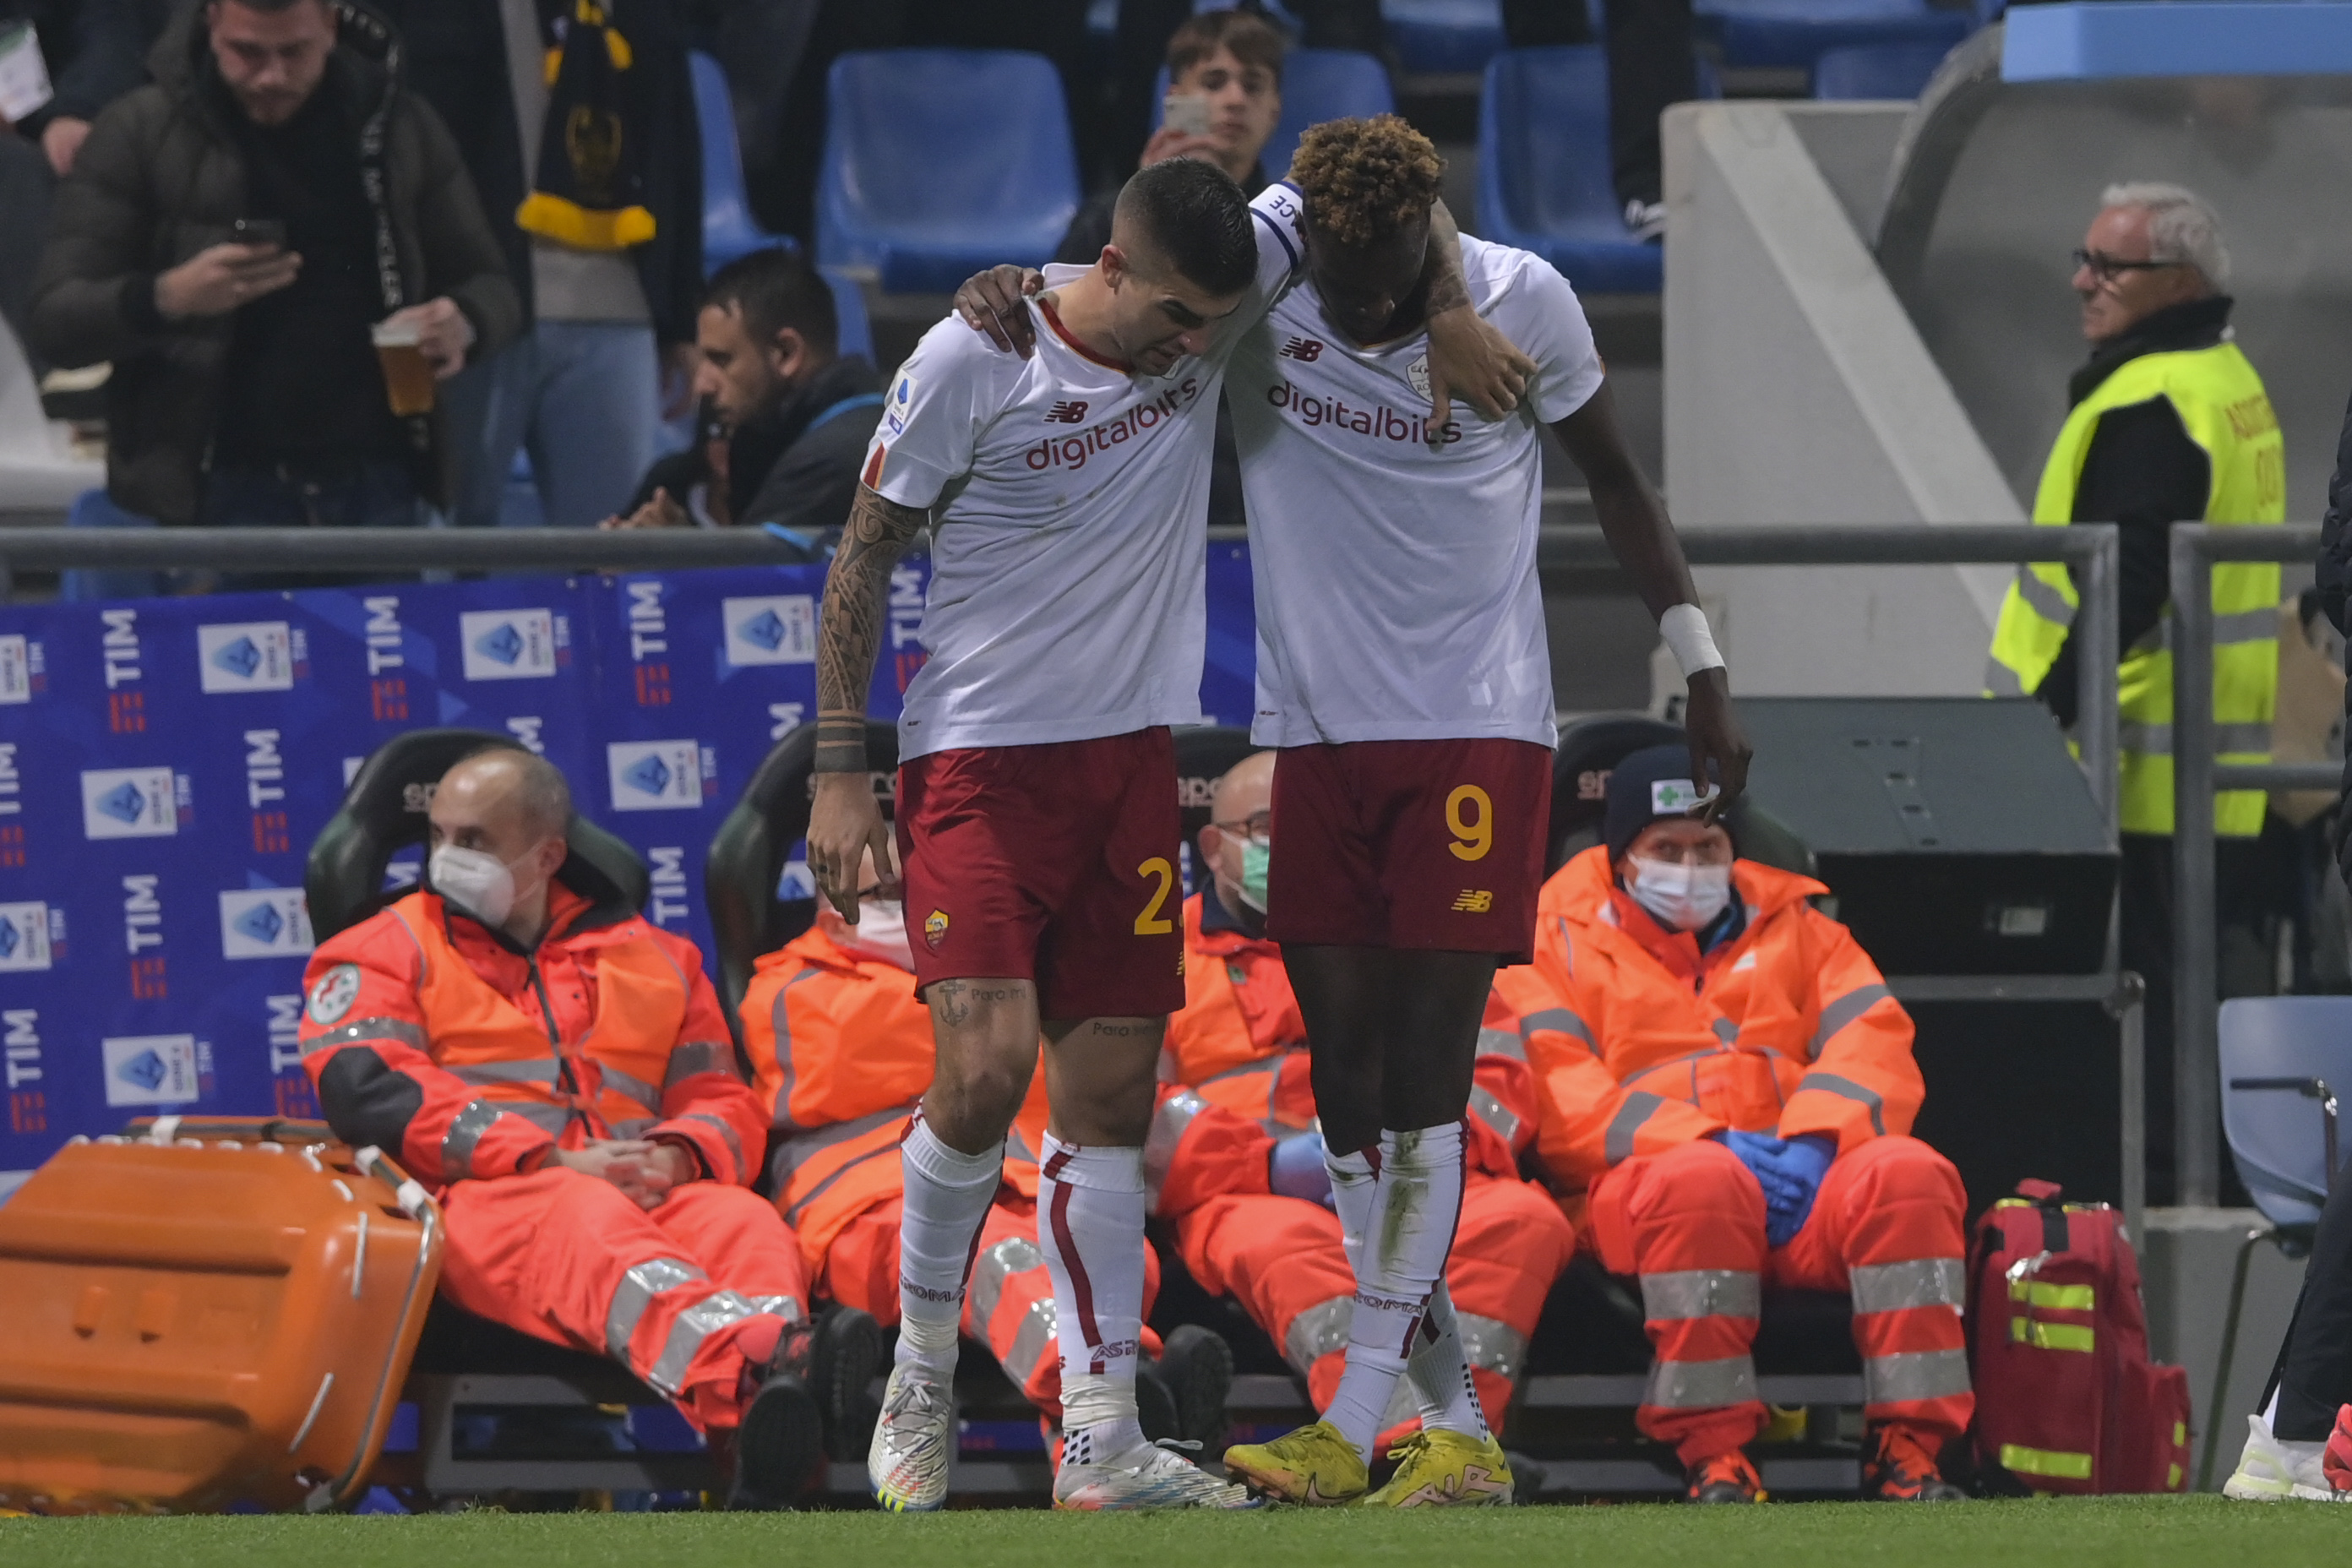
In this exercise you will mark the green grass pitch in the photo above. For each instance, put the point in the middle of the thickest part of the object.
(2040, 1533)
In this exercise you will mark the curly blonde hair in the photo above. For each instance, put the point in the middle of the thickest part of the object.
(1365, 179)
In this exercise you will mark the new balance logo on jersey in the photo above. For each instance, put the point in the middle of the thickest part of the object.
(1073, 451)
(1065, 413)
(1306, 350)
(1473, 902)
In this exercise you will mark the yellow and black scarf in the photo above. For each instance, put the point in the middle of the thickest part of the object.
(589, 192)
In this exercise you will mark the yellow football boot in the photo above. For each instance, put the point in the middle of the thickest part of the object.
(1314, 1466)
(1445, 1469)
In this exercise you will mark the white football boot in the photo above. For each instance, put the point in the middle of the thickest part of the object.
(1146, 1477)
(914, 1442)
(2273, 1470)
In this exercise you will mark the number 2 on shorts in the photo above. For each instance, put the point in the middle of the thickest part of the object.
(1472, 839)
(1151, 922)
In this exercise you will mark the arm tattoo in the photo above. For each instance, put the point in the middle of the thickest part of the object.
(1440, 267)
(849, 629)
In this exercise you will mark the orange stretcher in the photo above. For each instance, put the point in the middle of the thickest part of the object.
(204, 1314)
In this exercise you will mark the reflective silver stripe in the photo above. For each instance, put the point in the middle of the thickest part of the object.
(1841, 1011)
(2003, 681)
(727, 1135)
(2156, 740)
(1724, 1029)
(1492, 1345)
(1502, 1043)
(690, 1057)
(1559, 1018)
(1846, 1089)
(400, 1031)
(1617, 1143)
(995, 1265)
(788, 1308)
(1701, 1293)
(1913, 1374)
(466, 1129)
(637, 1288)
(637, 1088)
(1167, 1126)
(802, 1147)
(782, 1023)
(1701, 1385)
(479, 1073)
(1030, 1343)
(2043, 597)
(696, 1325)
(549, 1119)
(1318, 1331)
(1896, 1287)
(2258, 625)
(633, 1127)
(1493, 1114)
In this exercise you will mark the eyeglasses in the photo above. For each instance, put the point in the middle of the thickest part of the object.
(2107, 269)
(1258, 825)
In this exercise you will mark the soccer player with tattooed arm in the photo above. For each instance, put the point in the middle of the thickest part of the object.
(1037, 834)
(1405, 680)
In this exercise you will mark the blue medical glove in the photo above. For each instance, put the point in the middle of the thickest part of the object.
(1757, 1151)
(1800, 1166)
(1296, 1169)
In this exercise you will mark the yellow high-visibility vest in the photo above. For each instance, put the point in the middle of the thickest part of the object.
(2223, 408)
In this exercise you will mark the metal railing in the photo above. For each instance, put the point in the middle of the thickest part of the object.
(2197, 775)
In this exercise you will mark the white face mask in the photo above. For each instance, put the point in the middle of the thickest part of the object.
(1680, 897)
(880, 934)
(480, 884)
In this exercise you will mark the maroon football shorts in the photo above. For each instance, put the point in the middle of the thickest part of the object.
(1053, 863)
(1409, 844)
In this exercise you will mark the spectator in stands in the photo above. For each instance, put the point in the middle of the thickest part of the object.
(841, 1052)
(1233, 59)
(246, 388)
(2169, 424)
(610, 306)
(1728, 1088)
(793, 414)
(519, 1037)
(1148, 31)
(1241, 1044)
(2299, 1447)
(1652, 65)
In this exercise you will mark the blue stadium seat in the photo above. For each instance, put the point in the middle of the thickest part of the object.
(940, 162)
(853, 334)
(1544, 173)
(729, 231)
(1877, 71)
(1317, 85)
(1795, 33)
(1445, 35)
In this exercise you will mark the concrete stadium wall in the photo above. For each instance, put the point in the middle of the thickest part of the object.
(1798, 391)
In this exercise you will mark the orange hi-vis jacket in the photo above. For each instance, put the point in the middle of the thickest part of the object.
(840, 1053)
(1240, 1043)
(1639, 1042)
(427, 1032)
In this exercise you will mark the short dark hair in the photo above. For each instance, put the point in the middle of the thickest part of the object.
(775, 288)
(1193, 214)
(1254, 40)
(272, 7)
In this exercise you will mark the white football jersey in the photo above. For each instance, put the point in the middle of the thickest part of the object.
(1071, 505)
(1396, 585)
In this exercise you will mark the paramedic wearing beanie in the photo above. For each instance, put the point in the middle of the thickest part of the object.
(1725, 1090)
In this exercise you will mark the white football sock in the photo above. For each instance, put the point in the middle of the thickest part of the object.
(1352, 1180)
(1090, 1206)
(1417, 1202)
(947, 1193)
(1440, 1370)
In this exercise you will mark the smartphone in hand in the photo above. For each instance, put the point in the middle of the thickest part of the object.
(1187, 112)
(259, 231)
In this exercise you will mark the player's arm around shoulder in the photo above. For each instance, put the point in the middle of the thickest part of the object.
(1469, 357)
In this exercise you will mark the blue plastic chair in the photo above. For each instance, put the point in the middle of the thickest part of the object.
(87, 584)
(729, 231)
(2284, 1061)
(1317, 85)
(853, 334)
(1544, 182)
(1796, 33)
(939, 163)
(1877, 71)
(1445, 35)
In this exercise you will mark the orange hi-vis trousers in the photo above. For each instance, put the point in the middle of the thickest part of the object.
(1888, 1224)
(566, 1257)
(1282, 1259)
(1008, 1301)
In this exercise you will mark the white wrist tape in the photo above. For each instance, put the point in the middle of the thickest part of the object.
(1683, 627)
